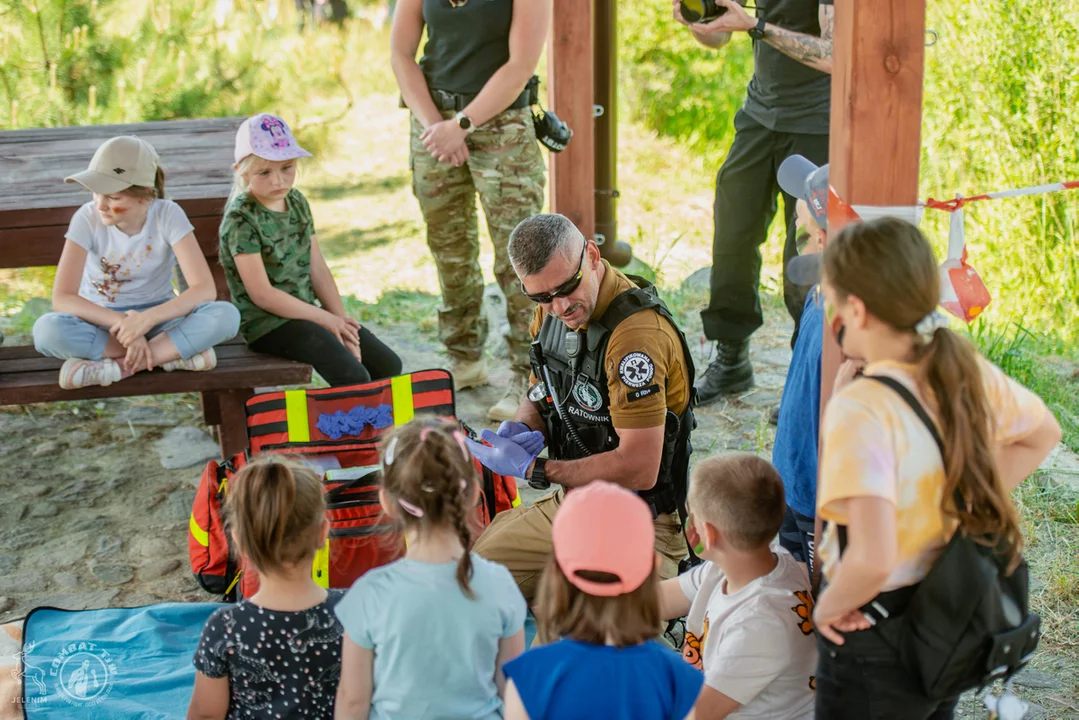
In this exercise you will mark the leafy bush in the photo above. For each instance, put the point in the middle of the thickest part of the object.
(1001, 87)
(84, 62)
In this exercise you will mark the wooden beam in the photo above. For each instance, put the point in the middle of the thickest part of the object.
(569, 84)
(878, 62)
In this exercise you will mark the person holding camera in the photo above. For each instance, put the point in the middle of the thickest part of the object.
(472, 132)
(786, 112)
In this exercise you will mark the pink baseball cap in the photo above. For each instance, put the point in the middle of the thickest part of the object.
(607, 528)
(268, 137)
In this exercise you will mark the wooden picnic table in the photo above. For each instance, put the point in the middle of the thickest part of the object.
(36, 206)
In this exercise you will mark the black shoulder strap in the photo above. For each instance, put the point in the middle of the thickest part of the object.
(916, 406)
(919, 410)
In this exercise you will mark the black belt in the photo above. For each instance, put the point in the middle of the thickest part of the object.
(458, 101)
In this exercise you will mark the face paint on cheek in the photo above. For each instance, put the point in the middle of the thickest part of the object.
(831, 316)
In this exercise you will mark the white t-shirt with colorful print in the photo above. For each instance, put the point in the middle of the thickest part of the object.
(129, 270)
(756, 646)
(874, 445)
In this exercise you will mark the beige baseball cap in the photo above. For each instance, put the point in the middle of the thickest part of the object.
(117, 165)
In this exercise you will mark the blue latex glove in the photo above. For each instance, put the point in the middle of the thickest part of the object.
(504, 456)
(531, 440)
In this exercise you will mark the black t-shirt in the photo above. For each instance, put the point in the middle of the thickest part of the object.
(465, 44)
(279, 664)
(784, 95)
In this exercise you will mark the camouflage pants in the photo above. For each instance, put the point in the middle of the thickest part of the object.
(506, 169)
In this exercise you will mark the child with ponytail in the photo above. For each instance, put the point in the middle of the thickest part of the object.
(427, 635)
(278, 653)
(287, 297)
(115, 309)
(882, 477)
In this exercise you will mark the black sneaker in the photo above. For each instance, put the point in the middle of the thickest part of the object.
(731, 372)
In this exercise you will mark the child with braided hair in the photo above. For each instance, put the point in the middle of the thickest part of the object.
(426, 636)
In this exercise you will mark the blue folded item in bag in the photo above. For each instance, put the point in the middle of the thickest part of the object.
(114, 664)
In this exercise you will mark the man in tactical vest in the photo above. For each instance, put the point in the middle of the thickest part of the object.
(610, 396)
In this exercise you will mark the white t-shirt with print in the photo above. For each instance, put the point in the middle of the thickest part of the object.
(127, 270)
(755, 646)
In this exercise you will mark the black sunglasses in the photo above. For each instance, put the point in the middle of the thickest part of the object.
(562, 290)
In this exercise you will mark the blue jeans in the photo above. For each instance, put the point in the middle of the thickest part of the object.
(63, 336)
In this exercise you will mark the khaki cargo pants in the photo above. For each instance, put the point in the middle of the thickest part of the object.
(520, 539)
(506, 168)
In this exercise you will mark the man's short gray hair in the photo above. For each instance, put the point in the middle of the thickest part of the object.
(536, 240)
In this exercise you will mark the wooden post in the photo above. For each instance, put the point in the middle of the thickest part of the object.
(878, 61)
(569, 83)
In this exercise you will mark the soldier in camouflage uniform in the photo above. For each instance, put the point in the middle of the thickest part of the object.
(288, 301)
(472, 133)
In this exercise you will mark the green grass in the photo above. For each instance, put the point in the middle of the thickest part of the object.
(1001, 87)
(1022, 354)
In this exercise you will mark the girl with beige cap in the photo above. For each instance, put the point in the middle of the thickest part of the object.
(115, 308)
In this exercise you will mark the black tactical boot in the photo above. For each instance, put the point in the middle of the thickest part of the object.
(729, 373)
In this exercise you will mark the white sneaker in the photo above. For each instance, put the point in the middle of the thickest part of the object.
(78, 373)
(506, 408)
(468, 373)
(205, 360)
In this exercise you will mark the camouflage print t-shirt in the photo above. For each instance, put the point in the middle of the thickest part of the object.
(283, 239)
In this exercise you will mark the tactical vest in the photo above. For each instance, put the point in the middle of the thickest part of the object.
(580, 384)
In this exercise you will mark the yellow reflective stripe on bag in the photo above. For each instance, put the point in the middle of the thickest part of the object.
(515, 501)
(401, 387)
(201, 536)
(296, 416)
(320, 568)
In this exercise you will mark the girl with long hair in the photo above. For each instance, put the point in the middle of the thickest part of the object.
(599, 610)
(882, 476)
(426, 635)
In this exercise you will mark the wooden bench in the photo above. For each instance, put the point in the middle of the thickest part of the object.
(35, 208)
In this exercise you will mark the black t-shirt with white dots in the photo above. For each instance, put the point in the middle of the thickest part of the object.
(279, 664)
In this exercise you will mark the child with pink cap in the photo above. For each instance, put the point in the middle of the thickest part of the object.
(288, 300)
(598, 606)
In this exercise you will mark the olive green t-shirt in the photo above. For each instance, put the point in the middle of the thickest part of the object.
(283, 239)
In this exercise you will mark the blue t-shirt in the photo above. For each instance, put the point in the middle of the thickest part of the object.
(795, 451)
(569, 679)
(435, 649)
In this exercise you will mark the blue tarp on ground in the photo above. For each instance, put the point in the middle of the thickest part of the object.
(114, 664)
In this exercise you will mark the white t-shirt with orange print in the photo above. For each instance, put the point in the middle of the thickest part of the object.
(874, 445)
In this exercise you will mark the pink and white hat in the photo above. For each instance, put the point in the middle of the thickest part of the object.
(604, 527)
(268, 137)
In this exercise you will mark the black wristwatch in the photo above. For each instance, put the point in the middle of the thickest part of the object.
(538, 480)
(757, 32)
(464, 122)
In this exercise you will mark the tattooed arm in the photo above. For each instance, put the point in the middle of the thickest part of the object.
(816, 52)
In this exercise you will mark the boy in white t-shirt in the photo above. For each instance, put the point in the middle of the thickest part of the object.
(116, 311)
(749, 611)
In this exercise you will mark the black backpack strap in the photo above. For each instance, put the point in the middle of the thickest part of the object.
(931, 426)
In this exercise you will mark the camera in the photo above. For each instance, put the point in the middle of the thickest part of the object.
(551, 132)
(701, 10)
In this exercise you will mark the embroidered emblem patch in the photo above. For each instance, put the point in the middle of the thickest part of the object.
(636, 369)
(587, 396)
